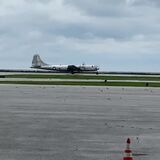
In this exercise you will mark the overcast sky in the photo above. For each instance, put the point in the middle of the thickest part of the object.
(116, 35)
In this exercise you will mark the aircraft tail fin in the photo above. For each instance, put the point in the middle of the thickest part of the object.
(37, 62)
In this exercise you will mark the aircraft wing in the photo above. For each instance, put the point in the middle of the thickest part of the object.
(73, 68)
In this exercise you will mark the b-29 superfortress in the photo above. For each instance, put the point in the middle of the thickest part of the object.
(39, 64)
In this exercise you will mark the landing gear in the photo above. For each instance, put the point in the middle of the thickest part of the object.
(72, 72)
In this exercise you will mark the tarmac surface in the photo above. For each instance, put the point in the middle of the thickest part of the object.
(78, 123)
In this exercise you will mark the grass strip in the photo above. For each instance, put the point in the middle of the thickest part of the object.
(87, 77)
(78, 83)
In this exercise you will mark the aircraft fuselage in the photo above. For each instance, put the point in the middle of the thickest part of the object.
(39, 64)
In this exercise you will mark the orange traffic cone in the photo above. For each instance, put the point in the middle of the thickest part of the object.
(128, 151)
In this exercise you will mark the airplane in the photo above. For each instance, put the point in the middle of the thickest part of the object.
(39, 64)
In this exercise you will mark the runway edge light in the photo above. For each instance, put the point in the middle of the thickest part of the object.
(128, 151)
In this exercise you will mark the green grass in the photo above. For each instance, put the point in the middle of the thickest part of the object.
(81, 77)
(86, 77)
(78, 83)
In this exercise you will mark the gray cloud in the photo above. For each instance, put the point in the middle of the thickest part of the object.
(63, 31)
(108, 8)
(144, 2)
